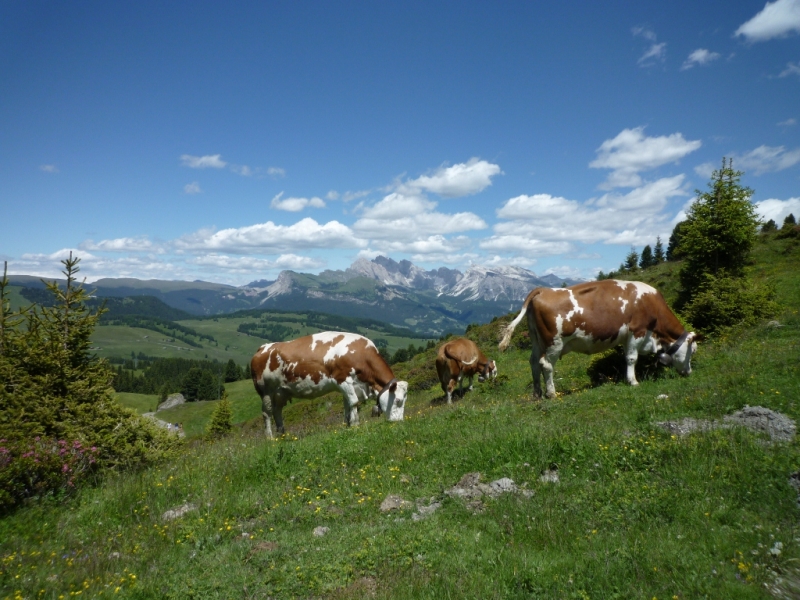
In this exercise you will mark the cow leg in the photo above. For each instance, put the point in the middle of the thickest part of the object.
(350, 399)
(548, 363)
(631, 356)
(266, 412)
(281, 399)
(536, 371)
(470, 383)
(451, 386)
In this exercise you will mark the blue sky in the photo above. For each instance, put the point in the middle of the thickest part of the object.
(228, 142)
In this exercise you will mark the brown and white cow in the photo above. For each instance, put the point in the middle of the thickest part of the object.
(321, 363)
(461, 358)
(598, 315)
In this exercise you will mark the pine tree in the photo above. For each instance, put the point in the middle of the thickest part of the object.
(769, 226)
(673, 246)
(232, 372)
(789, 221)
(55, 388)
(721, 228)
(631, 260)
(221, 419)
(658, 251)
(646, 260)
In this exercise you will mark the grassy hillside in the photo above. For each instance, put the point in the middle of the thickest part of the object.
(638, 512)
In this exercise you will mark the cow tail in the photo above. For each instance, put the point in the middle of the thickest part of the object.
(509, 330)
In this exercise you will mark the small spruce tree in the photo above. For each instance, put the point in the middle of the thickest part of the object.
(658, 251)
(721, 228)
(769, 226)
(647, 260)
(631, 260)
(221, 422)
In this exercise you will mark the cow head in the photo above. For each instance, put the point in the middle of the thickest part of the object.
(489, 371)
(392, 400)
(679, 354)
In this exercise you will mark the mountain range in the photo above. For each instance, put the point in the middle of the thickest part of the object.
(428, 302)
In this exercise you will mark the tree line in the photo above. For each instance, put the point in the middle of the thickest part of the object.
(195, 379)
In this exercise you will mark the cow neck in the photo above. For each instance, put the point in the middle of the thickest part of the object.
(677, 343)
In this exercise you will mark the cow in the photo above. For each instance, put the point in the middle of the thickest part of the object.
(595, 316)
(461, 358)
(321, 363)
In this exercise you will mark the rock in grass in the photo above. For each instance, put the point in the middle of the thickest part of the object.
(395, 502)
(778, 426)
(320, 531)
(176, 513)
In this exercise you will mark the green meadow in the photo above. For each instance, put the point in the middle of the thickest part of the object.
(638, 512)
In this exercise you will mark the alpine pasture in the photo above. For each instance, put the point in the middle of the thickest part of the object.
(637, 511)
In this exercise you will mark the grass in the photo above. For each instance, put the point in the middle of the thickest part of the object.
(638, 513)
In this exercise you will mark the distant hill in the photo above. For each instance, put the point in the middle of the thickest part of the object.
(429, 303)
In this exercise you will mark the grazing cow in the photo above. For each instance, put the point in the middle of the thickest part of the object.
(598, 315)
(461, 358)
(321, 363)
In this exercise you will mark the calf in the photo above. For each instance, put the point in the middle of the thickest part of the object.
(595, 316)
(321, 363)
(461, 358)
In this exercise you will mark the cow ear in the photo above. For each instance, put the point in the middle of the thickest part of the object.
(698, 337)
(393, 387)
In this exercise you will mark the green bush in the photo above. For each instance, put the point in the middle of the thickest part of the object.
(221, 422)
(42, 467)
(53, 388)
(723, 301)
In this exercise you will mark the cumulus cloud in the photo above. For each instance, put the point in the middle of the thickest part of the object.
(405, 217)
(778, 210)
(268, 238)
(656, 52)
(295, 204)
(126, 244)
(463, 179)
(48, 168)
(776, 19)
(250, 264)
(787, 123)
(276, 172)
(766, 159)
(701, 56)
(541, 219)
(791, 69)
(631, 152)
(192, 188)
(705, 169)
(209, 161)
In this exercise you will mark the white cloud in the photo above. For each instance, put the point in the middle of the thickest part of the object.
(776, 19)
(296, 204)
(631, 152)
(791, 69)
(787, 123)
(463, 179)
(613, 218)
(242, 170)
(250, 264)
(701, 56)
(405, 217)
(269, 237)
(332, 195)
(778, 210)
(48, 168)
(705, 169)
(655, 53)
(192, 188)
(212, 161)
(276, 172)
(526, 244)
(766, 159)
(137, 244)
